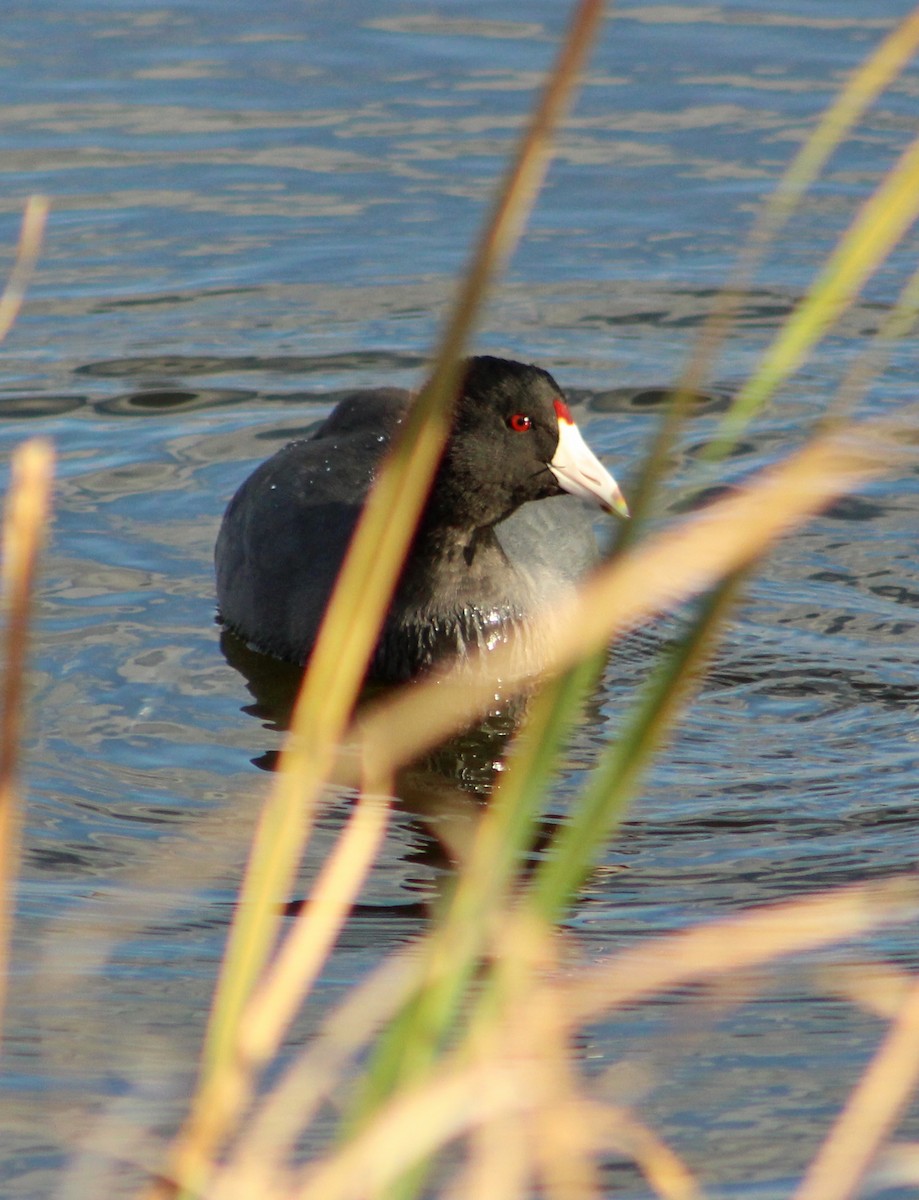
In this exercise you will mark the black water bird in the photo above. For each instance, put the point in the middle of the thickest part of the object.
(484, 558)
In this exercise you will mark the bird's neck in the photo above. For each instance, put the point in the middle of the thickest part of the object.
(457, 593)
(460, 566)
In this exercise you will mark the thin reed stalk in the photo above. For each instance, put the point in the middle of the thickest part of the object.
(878, 227)
(866, 84)
(338, 661)
(876, 1103)
(31, 236)
(749, 939)
(860, 91)
(24, 522)
(483, 889)
(292, 1103)
(286, 986)
(25, 517)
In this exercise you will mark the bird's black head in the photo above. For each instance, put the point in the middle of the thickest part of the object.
(505, 433)
(513, 440)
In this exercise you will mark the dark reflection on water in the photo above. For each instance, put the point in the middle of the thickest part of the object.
(445, 786)
(161, 399)
(38, 407)
(470, 759)
(298, 365)
(257, 208)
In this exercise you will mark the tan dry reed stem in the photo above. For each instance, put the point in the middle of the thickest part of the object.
(750, 939)
(416, 1123)
(337, 665)
(618, 1129)
(569, 1131)
(268, 1138)
(31, 236)
(898, 1167)
(24, 523)
(524, 1023)
(562, 1135)
(289, 979)
(871, 1113)
(287, 982)
(877, 988)
(498, 1164)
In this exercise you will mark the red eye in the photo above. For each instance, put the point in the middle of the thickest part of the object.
(519, 422)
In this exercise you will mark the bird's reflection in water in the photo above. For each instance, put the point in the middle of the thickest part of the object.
(443, 793)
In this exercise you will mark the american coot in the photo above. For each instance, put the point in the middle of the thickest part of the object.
(483, 558)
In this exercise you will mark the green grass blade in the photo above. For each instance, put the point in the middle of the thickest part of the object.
(864, 86)
(613, 783)
(506, 831)
(870, 79)
(879, 226)
(899, 323)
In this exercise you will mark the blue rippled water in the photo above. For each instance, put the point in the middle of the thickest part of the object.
(258, 207)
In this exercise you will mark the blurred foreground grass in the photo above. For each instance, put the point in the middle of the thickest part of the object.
(467, 1043)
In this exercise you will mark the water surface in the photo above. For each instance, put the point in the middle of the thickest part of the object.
(258, 208)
